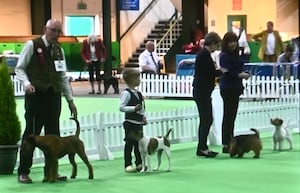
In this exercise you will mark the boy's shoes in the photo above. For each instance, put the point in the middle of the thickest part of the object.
(140, 167)
(130, 169)
(24, 179)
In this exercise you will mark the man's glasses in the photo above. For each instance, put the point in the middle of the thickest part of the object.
(53, 30)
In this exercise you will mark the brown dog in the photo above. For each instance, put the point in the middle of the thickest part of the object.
(244, 143)
(55, 147)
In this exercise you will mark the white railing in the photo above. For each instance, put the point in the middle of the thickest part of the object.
(102, 132)
(18, 87)
(181, 86)
(270, 87)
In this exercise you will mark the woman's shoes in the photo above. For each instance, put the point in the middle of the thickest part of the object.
(92, 92)
(206, 153)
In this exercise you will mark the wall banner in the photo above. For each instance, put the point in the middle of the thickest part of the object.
(129, 5)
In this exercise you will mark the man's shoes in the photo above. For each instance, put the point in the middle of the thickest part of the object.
(92, 92)
(139, 167)
(24, 179)
(207, 153)
(61, 178)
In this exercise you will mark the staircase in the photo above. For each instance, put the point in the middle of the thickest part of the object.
(164, 34)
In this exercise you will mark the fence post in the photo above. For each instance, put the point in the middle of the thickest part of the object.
(104, 152)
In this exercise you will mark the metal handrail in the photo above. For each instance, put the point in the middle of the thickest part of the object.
(169, 31)
(173, 23)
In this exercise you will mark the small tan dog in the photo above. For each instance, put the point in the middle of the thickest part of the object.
(280, 134)
(55, 147)
(149, 145)
(244, 143)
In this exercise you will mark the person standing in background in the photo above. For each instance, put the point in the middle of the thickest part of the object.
(271, 43)
(149, 60)
(231, 86)
(203, 85)
(93, 53)
(42, 69)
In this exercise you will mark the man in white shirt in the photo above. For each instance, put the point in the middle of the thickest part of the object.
(149, 61)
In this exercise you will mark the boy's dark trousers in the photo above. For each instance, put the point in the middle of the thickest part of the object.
(131, 144)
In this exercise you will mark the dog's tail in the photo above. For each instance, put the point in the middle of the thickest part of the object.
(168, 133)
(77, 127)
(288, 124)
(255, 131)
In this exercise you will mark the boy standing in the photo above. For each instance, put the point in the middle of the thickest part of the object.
(132, 103)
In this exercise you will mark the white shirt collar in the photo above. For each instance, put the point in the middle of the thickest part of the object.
(45, 40)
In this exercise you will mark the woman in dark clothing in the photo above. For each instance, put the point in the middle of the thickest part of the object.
(203, 85)
(231, 85)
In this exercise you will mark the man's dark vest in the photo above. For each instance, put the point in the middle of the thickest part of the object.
(133, 102)
(41, 69)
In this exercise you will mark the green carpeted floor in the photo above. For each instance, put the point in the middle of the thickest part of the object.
(274, 172)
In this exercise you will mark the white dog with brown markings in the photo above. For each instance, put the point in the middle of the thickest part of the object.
(280, 134)
(149, 145)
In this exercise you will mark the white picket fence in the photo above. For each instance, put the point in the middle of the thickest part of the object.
(18, 87)
(181, 86)
(102, 132)
(270, 87)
